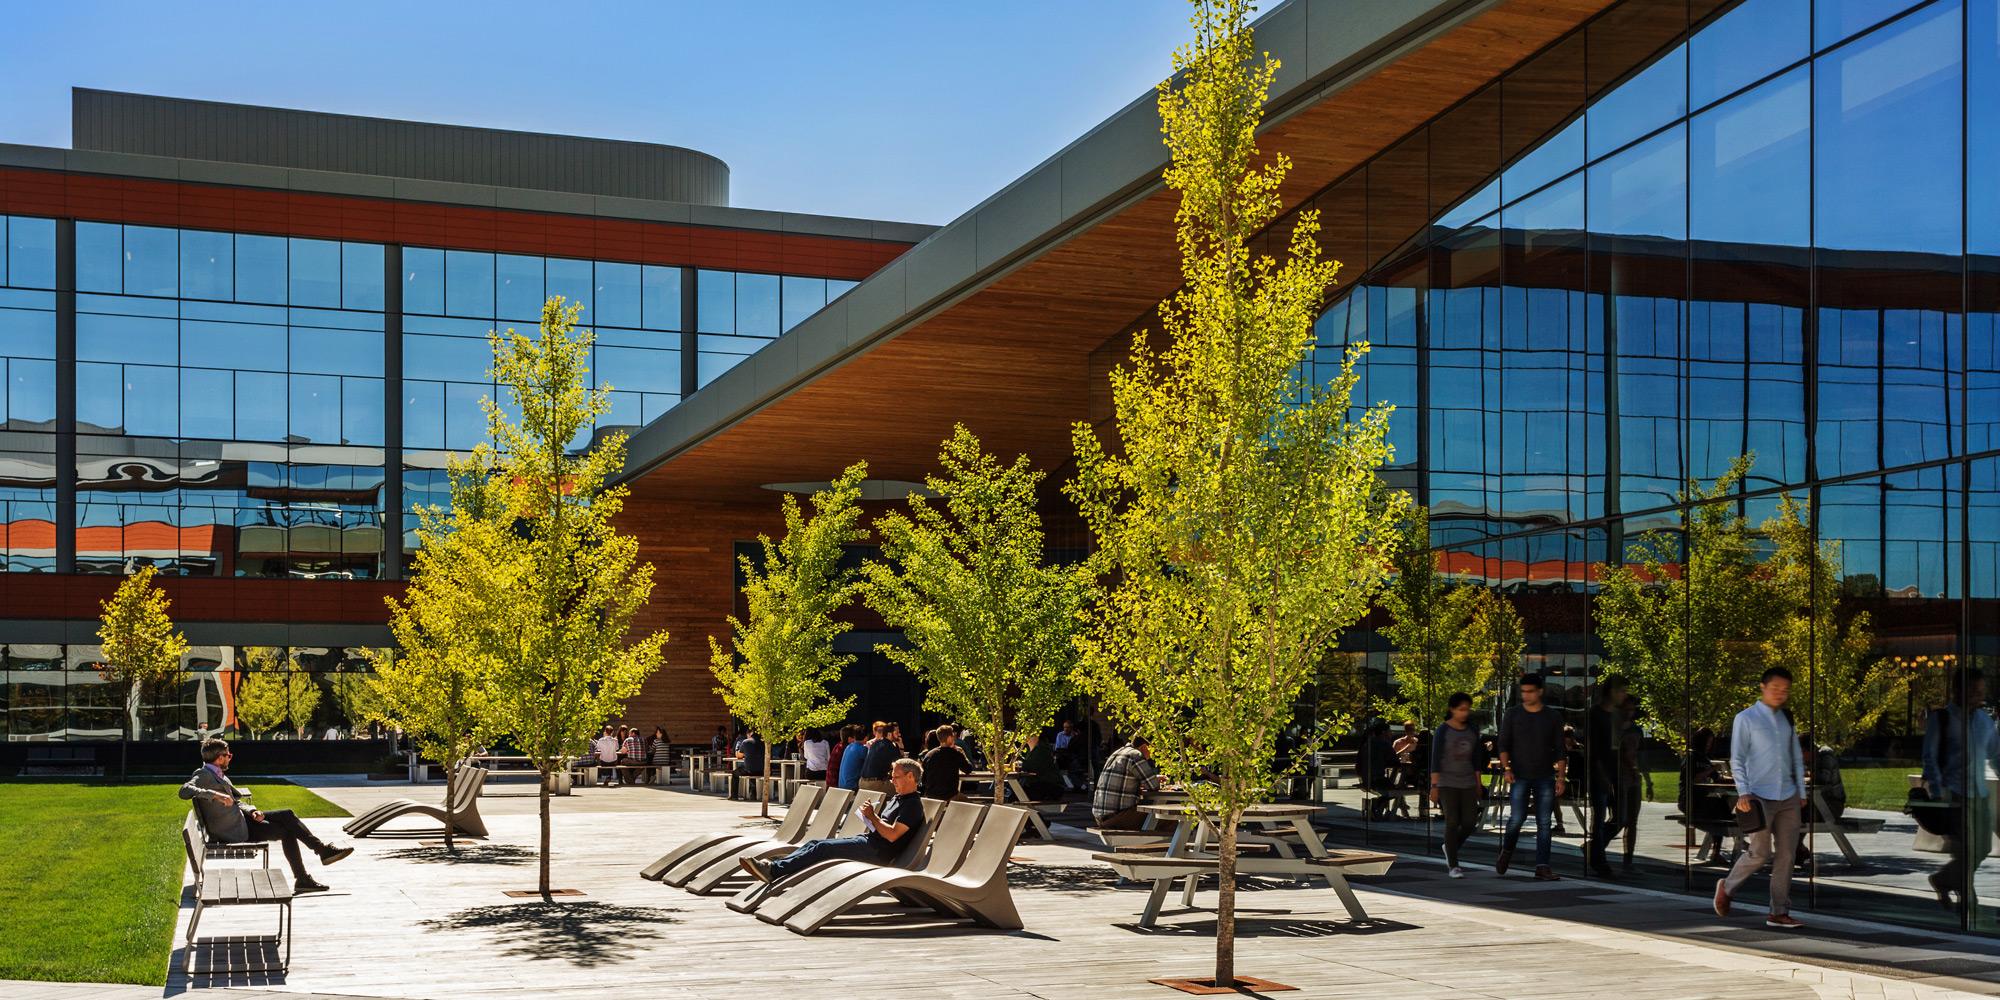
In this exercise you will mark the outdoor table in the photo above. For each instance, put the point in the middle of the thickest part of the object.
(1808, 823)
(1192, 839)
(1015, 791)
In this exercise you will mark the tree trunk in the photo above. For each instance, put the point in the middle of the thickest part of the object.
(1225, 903)
(544, 796)
(450, 801)
(996, 755)
(764, 805)
(131, 728)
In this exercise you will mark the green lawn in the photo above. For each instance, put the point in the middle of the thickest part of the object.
(1871, 786)
(97, 867)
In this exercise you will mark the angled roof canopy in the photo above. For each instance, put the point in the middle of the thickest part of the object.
(993, 320)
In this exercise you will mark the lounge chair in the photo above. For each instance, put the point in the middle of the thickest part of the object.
(706, 870)
(950, 833)
(464, 816)
(833, 815)
(794, 821)
(977, 890)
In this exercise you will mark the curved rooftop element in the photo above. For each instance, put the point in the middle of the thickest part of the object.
(115, 122)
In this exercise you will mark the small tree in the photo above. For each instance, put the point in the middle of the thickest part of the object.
(434, 686)
(142, 651)
(989, 624)
(1245, 525)
(1825, 646)
(566, 583)
(1686, 620)
(1448, 638)
(775, 678)
(270, 696)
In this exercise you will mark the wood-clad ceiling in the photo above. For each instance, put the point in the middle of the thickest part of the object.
(1012, 360)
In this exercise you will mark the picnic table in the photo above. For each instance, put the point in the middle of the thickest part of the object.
(1274, 839)
(1836, 829)
(1018, 793)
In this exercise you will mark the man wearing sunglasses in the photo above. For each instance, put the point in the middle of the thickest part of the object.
(229, 819)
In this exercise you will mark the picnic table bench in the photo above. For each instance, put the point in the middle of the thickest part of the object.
(1274, 840)
(1017, 793)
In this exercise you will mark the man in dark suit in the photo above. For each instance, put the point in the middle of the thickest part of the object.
(231, 820)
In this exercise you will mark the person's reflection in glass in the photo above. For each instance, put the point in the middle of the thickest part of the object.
(1959, 745)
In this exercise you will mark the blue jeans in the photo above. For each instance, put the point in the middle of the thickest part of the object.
(1544, 790)
(814, 852)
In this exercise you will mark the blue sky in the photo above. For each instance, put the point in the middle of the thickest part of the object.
(911, 111)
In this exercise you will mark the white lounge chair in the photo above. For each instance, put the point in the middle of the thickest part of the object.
(977, 890)
(464, 816)
(789, 826)
(832, 815)
(722, 855)
(949, 831)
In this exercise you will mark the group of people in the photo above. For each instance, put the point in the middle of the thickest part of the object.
(627, 756)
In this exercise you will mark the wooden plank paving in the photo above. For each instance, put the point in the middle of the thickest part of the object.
(404, 921)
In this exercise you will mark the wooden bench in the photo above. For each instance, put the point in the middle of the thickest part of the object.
(234, 887)
(590, 771)
(61, 760)
(217, 850)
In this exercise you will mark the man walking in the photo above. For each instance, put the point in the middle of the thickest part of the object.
(1770, 785)
(230, 820)
(1533, 760)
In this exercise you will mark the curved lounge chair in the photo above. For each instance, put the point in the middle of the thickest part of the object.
(950, 835)
(795, 820)
(977, 890)
(464, 816)
(703, 872)
(832, 815)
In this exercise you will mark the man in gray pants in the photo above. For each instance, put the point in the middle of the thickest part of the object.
(1770, 776)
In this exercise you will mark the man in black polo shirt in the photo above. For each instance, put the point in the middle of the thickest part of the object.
(882, 752)
(902, 817)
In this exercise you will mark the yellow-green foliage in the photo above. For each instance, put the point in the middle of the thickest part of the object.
(1448, 637)
(1244, 524)
(272, 694)
(142, 651)
(989, 625)
(776, 673)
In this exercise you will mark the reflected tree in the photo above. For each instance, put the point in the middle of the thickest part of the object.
(1449, 636)
(1823, 641)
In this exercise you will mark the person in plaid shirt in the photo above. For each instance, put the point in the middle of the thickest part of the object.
(1128, 775)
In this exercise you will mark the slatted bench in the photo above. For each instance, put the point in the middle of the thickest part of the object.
(234, 887)
(217, 850)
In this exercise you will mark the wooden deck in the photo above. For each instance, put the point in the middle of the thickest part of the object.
(403, 921)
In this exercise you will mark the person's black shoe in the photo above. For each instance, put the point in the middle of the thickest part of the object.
(1943, 894)
(1500, 863)
(330, 855)
(1602, 870)
(306, 885)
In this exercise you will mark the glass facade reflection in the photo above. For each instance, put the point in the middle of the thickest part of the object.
(53, 692)
(1760, 259)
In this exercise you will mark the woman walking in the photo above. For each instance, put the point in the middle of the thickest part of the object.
(1457, 757)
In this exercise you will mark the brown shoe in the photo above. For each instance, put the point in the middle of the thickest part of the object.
(1721, 897)
(750, 865)
(1784, 922)
(1543, 873)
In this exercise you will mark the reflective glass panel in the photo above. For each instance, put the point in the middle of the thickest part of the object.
(1750, 165)
(1886, 138)
(1757, 38)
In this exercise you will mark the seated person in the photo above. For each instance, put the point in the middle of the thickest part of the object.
(902, 817)
(605, 749)
(1041, 776)
(230, 820)
(749, 760)
(1129, 773)
(943, 765)
(631, 753)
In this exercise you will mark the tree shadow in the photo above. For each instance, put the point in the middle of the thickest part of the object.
(586, 935)
(1073, 880)
(467, 854)
(1275, 927)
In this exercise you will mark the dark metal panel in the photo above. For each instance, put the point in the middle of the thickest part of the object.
(108, 121)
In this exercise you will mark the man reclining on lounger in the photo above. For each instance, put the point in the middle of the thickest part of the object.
(230, 820)
(902, 817)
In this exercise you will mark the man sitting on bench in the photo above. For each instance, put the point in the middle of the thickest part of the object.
(902, 817)
(230, 820)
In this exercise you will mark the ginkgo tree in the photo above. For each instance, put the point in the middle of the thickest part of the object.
(1242, 523)
(564, 584)
(143, 652)
(776, 672)
(987, 622)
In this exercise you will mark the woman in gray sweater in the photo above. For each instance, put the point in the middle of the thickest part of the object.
(1457, 756)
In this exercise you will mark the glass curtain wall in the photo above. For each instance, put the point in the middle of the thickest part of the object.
(54, 692)
(28, 351)
(1691, 324)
